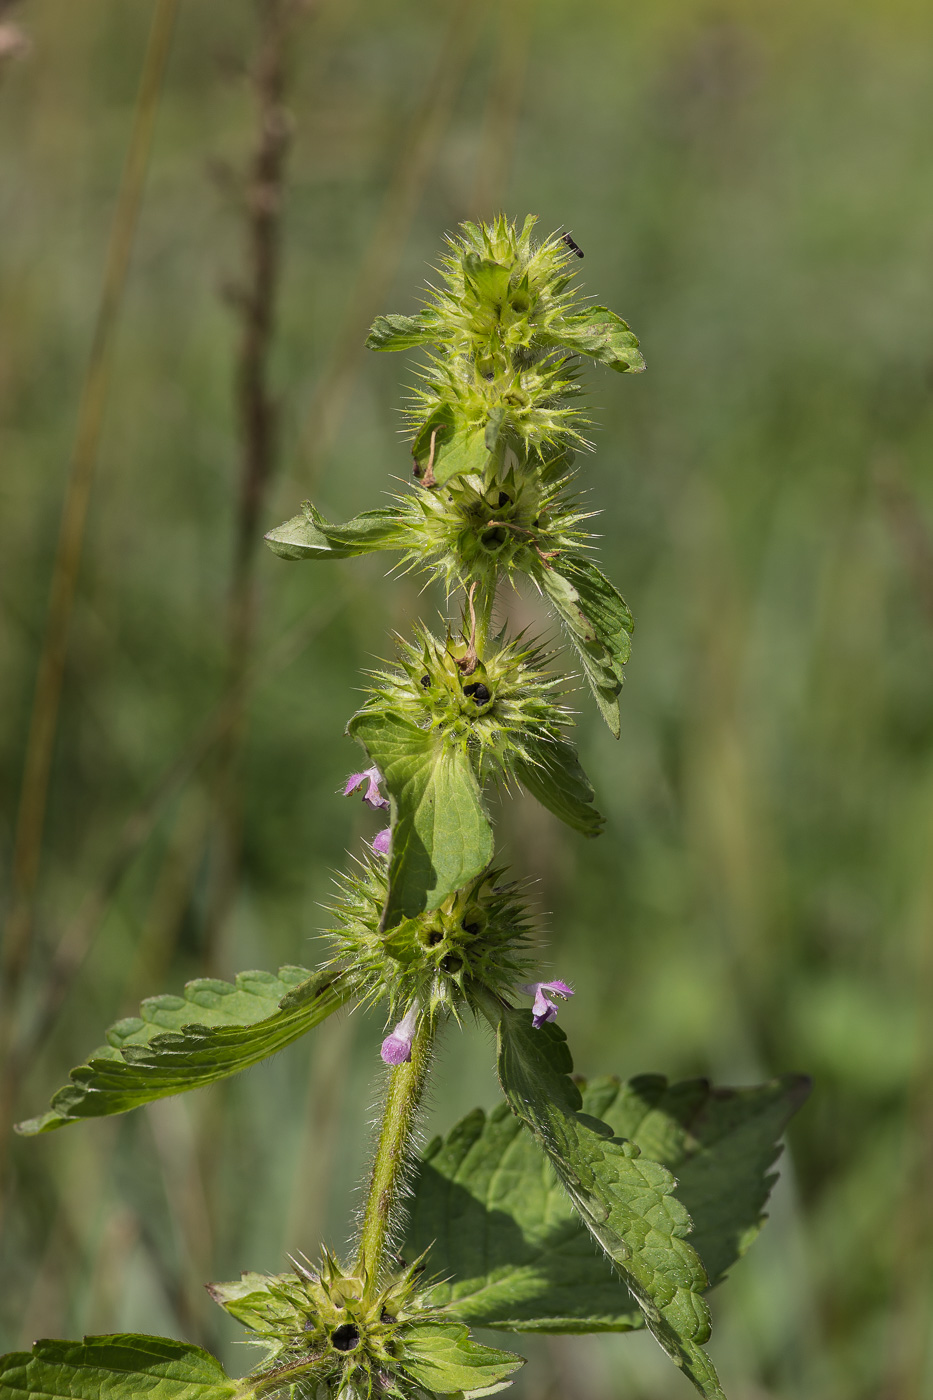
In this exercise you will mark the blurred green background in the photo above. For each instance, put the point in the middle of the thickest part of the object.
(751, 185)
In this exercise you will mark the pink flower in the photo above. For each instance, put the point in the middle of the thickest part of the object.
(544, 1008)
(372, 778)
(382, 840)
(396, 1048)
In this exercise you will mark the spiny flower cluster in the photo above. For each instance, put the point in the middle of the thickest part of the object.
(479, 937)
(497, 710)
(329, 1331)
(512, 518)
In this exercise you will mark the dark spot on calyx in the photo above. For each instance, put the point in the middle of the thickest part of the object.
(470, 928)
(345, 1337)
(504, 500)
(452, 963)
(478, 693)
(386, 1316)
(434, 937)
(425, 681)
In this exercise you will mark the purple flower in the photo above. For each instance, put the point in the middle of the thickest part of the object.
(372, 778)
(382, 840)
(396, 1048)
(544, 1008)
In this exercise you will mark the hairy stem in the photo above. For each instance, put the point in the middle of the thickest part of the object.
(484, 606)
(394, 1152)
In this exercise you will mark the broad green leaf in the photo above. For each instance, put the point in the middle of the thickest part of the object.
(402, 332)
(458, 449)
(505, 1239)
(600, 334)
(118, 1367)
(441, 836)
(599, 623)
(443, 1357)
(554, 775)
(179, 1043)
(719, 1143)
(508, 1246)
(310, 536)
(625, 1199)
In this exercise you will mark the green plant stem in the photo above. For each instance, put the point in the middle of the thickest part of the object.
(393, 1153)
(484, 606)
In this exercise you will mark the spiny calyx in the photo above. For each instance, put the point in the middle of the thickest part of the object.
(476, 938)
(336, 1333)
(492, 707)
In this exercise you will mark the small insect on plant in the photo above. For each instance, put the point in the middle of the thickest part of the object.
(576, 1204)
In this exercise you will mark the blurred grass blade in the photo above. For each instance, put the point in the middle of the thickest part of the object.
(44, 719)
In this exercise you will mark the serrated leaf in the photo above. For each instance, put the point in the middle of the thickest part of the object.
(505, 1239)
(443, 1357)
(625, 1199)
(600, 334)
(459, 449)
(118, 1367)
(441, 836)
(180, 1043)
(310, 536)
(719, 1143)
(503, 1236)
(553, 774)
(599, 623)
(402, 332)
(254, 1300)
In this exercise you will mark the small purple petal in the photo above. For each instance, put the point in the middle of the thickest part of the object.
(372, 796)
(544, 1009)
(382, 841)
(396, 1048)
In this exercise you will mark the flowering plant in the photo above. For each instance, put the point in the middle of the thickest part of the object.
(499, 1219)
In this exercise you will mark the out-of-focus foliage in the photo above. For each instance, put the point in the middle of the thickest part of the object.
(751, 185)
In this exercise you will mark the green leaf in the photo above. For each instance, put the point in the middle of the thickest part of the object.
(719, 1143)
(600, 334)
(554, 775)
(402, 332)
(443, 1357)
(507, 1243)
(310, 536)
(179, 1043)
(441, 836)
(118, 1367)
(599, 623)
(505, 1239)
(458, 450)
(256, 1300)
(625, 1200)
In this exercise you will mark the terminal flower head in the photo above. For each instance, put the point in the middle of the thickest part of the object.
(396, 1048)
(371, 777)
(545, 1009)
(382, 840)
